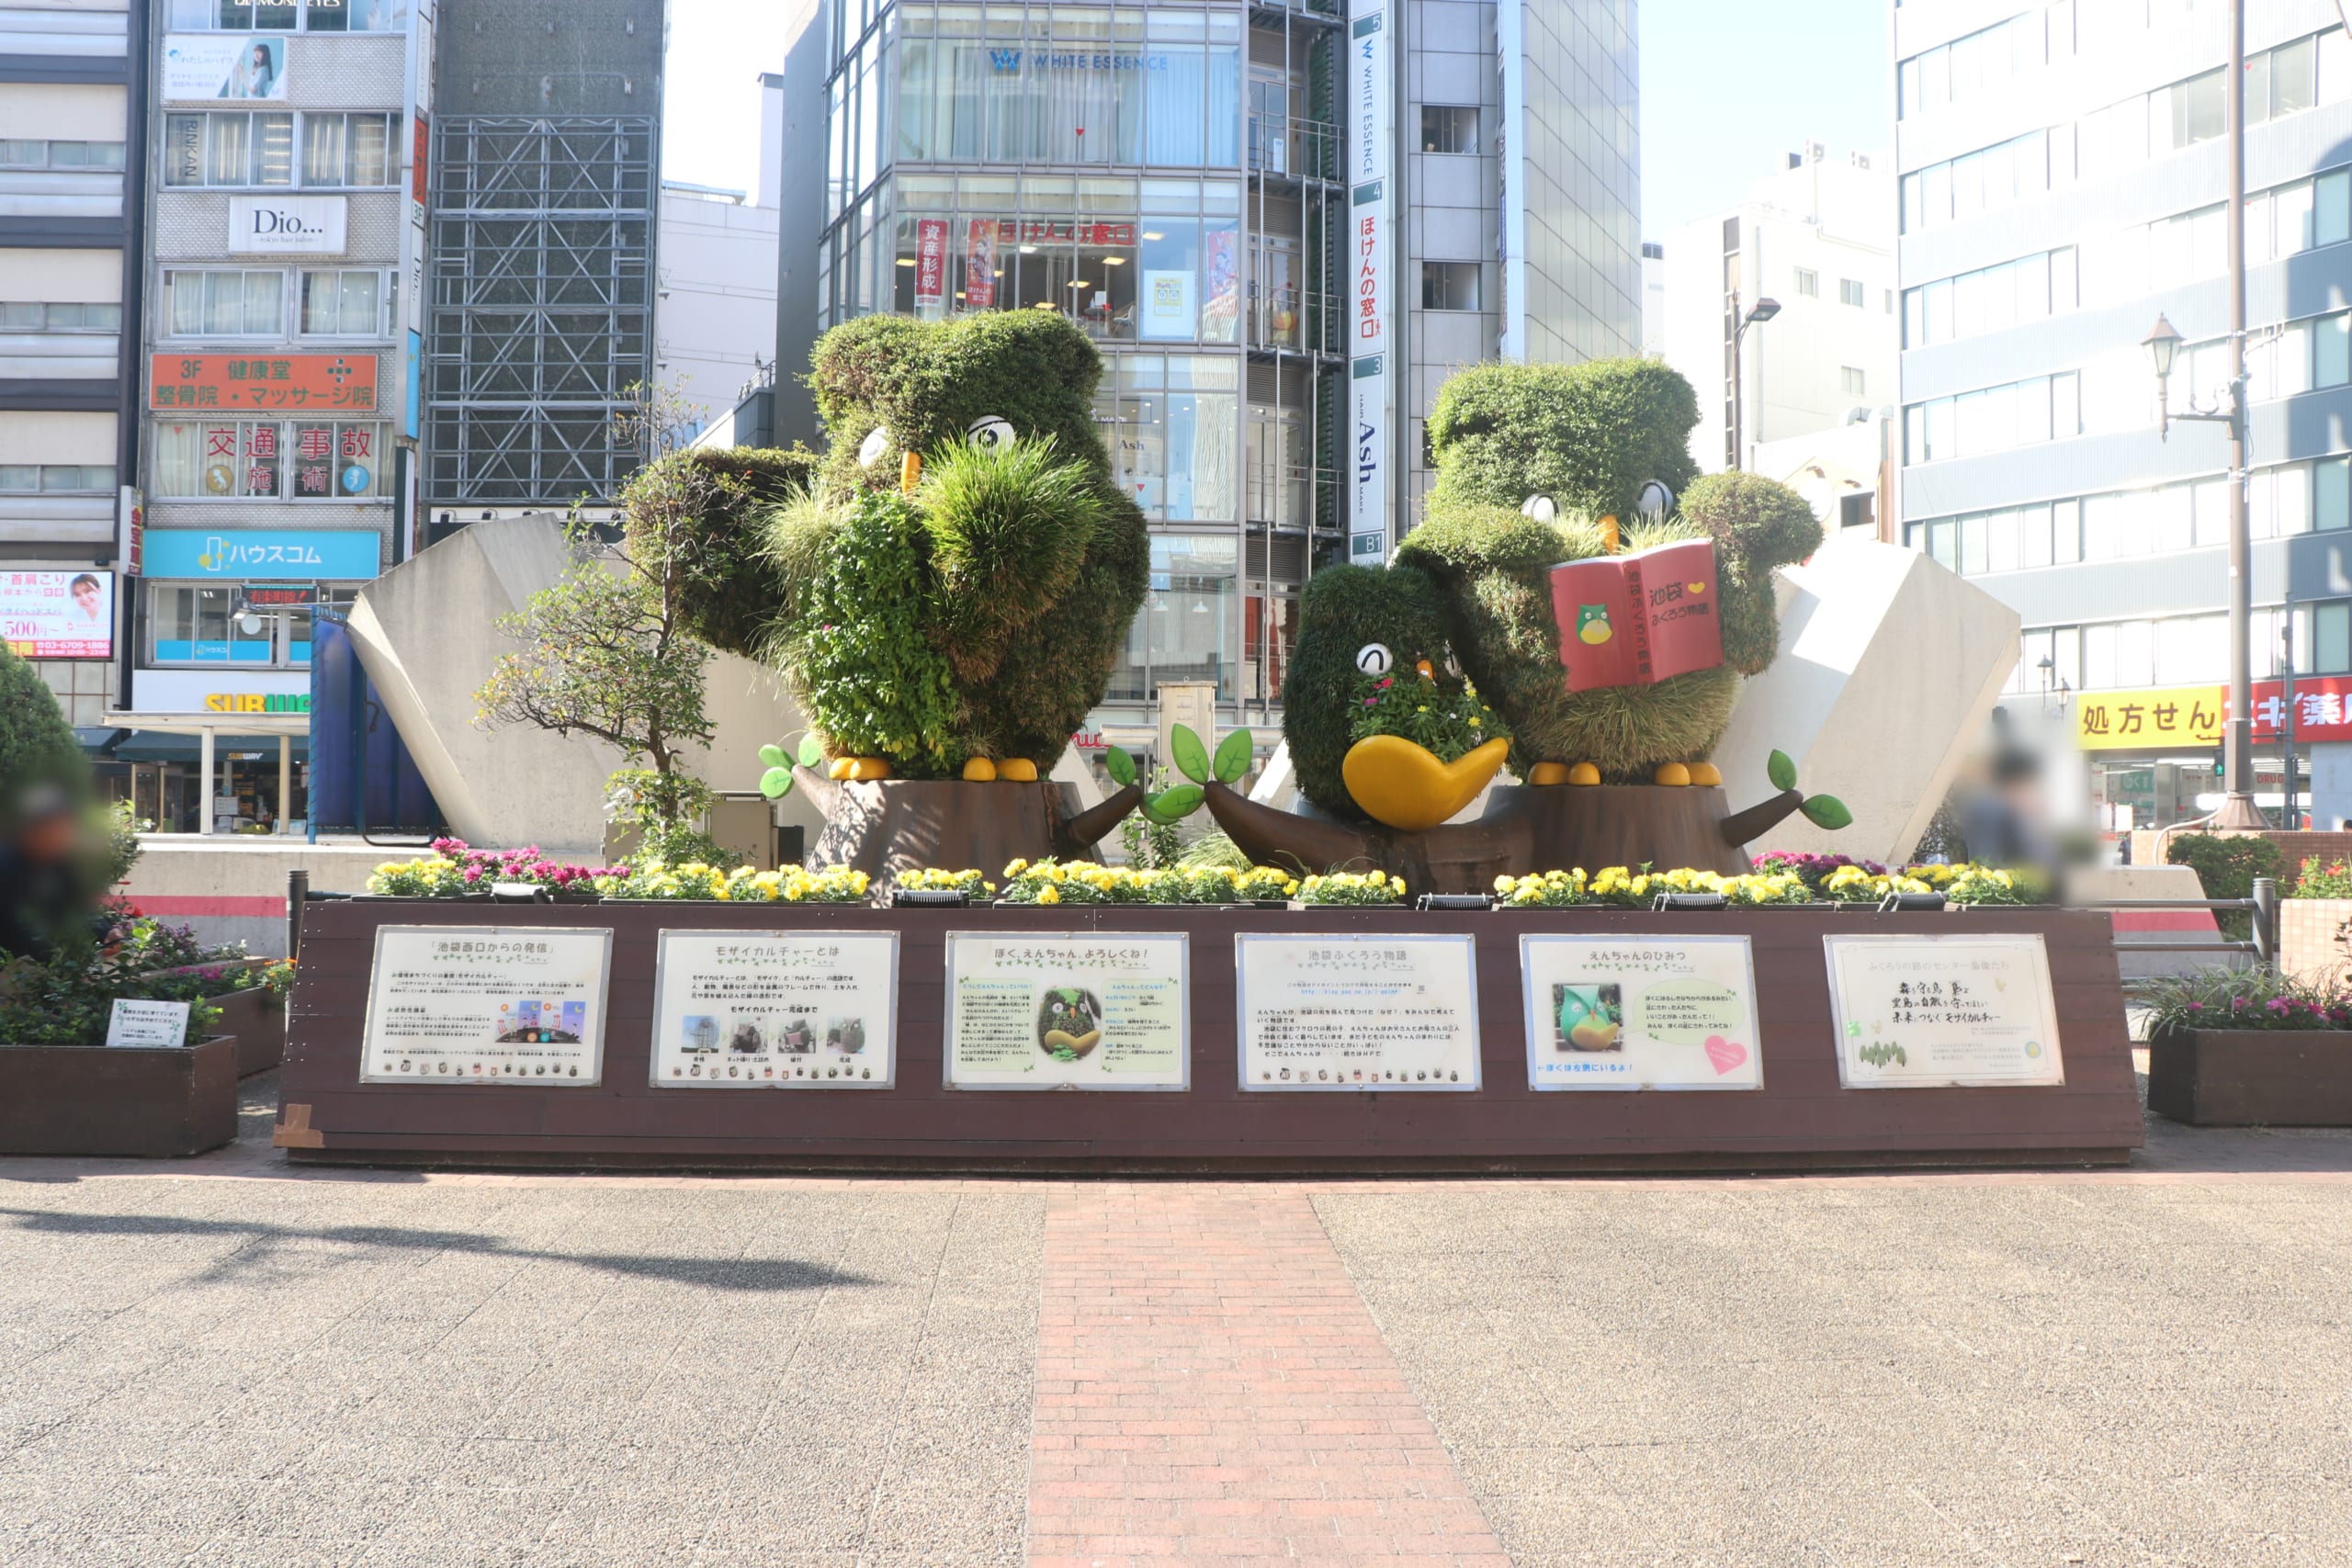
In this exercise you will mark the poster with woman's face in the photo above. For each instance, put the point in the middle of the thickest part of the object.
(241, 66)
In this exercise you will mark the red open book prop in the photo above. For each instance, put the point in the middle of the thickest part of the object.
(1633, 620)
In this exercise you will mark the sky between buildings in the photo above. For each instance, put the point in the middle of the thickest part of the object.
(1727, 86)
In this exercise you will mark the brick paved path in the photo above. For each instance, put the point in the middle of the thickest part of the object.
(1210, 1387)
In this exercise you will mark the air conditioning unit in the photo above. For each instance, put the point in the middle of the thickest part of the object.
(1859, 160)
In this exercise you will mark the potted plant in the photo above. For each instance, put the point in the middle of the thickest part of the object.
(2248, 1047)
(64, 1091)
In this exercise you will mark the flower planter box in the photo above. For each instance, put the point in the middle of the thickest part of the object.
(146, 1102)
(2246, 1078)
(257, 1020)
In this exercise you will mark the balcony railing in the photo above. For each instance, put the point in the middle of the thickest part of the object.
(1301, 148)
(1301, 321)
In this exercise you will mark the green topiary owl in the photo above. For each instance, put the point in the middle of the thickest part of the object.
(978, 617)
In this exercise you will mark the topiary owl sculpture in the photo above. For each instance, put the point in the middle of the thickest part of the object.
(958, 583)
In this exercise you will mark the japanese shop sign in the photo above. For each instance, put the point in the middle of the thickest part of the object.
(1357, 1012)
(287, 225)
(487, 1005)
(1371, 112)
(930, 261)
(291, 383)
(1068, 1010)
(57, 614)
(1640, 1012)
(300, 553)
(775, 1010)
(2194, 715)
(1933, 1012)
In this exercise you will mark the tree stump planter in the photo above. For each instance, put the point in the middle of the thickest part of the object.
(147, 1102)
(2252, 1077)
(883, 826)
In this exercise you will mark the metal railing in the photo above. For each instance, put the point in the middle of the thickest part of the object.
(2262, 945)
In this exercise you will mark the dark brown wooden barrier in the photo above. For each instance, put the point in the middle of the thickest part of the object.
(1803, 1118)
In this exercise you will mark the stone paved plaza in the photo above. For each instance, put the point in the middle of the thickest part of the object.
(226, 1361)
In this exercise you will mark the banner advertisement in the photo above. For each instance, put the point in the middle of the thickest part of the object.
(931, 262)
(775, 1010)
(1069, 1010)
(1357, 1012)
(1938, 1011)
(249, 67)
(1221, 306)
(1371, 110)
(979, 265)
(2319, 709)
(487, 1005)
(1640, 1012)
(57, 614)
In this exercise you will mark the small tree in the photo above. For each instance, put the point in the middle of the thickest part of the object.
(608, 651)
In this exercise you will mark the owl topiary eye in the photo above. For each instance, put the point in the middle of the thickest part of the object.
(1374, 658)
(1539, 507)
(990, 432)
(870, 450)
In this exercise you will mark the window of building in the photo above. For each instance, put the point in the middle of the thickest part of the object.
(347, 148)
(1188, 628)
(57, 478)
(1449, 129)
(1850, 379)
(229, 150)
(206, 624)
(1449, 285)
(20, 153)
(1172, 424)
(223, 304)
(343, 303)
(1849, 292)
(287, 15)
(49, 316)
(1808, 282)
(272, 459)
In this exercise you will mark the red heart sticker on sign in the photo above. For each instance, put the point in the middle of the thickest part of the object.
(1726, 1054)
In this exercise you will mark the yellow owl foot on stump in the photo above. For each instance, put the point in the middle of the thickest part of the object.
(858, 768)
(1011, 769)
(1548, 773)
(1677, 774)
(979, 769)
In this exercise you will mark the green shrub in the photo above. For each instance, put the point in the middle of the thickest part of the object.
(2226, 866)
(1759, 525)
(1344, 608)
(2322, 879)
(1588, 435)
(732, 591)
(37, 746)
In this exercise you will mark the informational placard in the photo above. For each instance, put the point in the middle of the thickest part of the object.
(487, 1005)
(775, 1010)
(57, 614)
(1932, 1011)
(147, 1023)
(1357, 1012)
(1068, 1010)
(1619, 1012)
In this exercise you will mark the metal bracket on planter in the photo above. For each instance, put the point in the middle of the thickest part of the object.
(1454, 901)
(1691, 901)
(929, 899)
(1910, 903)
(520, 893)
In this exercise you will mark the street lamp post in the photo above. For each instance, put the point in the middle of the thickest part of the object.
(2163, 343)
(1766, 309)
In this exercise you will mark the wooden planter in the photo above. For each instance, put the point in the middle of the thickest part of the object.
(258, 1021)
(2252, 1077)
(883, 826)
(147, 1102)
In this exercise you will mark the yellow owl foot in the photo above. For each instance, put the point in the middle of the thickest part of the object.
(1548, 773)
(858, 768)
(1677, 774)
(979, 769)
(1017, 770)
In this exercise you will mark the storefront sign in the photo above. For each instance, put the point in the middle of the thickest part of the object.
(1371, 111)
(1012, 61)
(1933, 1012)
(58, 615)
(2192, 717)
(930, 261)
(267, 553)
(292, 382)
(1357, 1012)
(130, 529)
(147, 1023)
(287, 225)
(487, 1005)
(248, 67)
(1063, 231)
(291, 595)
(979, 265)
(1068, 1010)
(199, 691)
(257, 702)
(1640, 1012)
(775, 1010)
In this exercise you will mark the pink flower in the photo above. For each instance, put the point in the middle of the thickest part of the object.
(1369, 702)
(473, 874)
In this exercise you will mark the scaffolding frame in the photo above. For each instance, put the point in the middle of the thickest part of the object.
(539, 306)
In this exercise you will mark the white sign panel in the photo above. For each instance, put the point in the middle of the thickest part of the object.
(1640, 1012)
(487, 1005)
(1372, 115)
(775, 1010)
(1171, 308)
(287, 225)
(248, 67)
(1357, 1012)
(1931, 1011)
(147, 1023)
(57, 614)
(1068, 1010)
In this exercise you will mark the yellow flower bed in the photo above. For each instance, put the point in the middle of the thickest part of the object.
(1366, 888)
(696, 881)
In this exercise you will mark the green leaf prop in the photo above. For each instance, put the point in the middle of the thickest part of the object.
(1170, 806)
(1121, 765)
(1192, 757)
(772, 756)
(1826, 811)
(812, 751)
(776, 783)
(1783, 772)
(1233, 757)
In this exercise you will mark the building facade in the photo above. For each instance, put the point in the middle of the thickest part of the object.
(1284, 224)
(2064, 180)
(72, 113)
(1816, 236)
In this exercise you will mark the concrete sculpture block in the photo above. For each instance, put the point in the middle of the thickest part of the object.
(1888, 670)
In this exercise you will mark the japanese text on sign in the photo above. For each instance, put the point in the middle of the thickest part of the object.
(486, 1005)
(1347, 1012)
